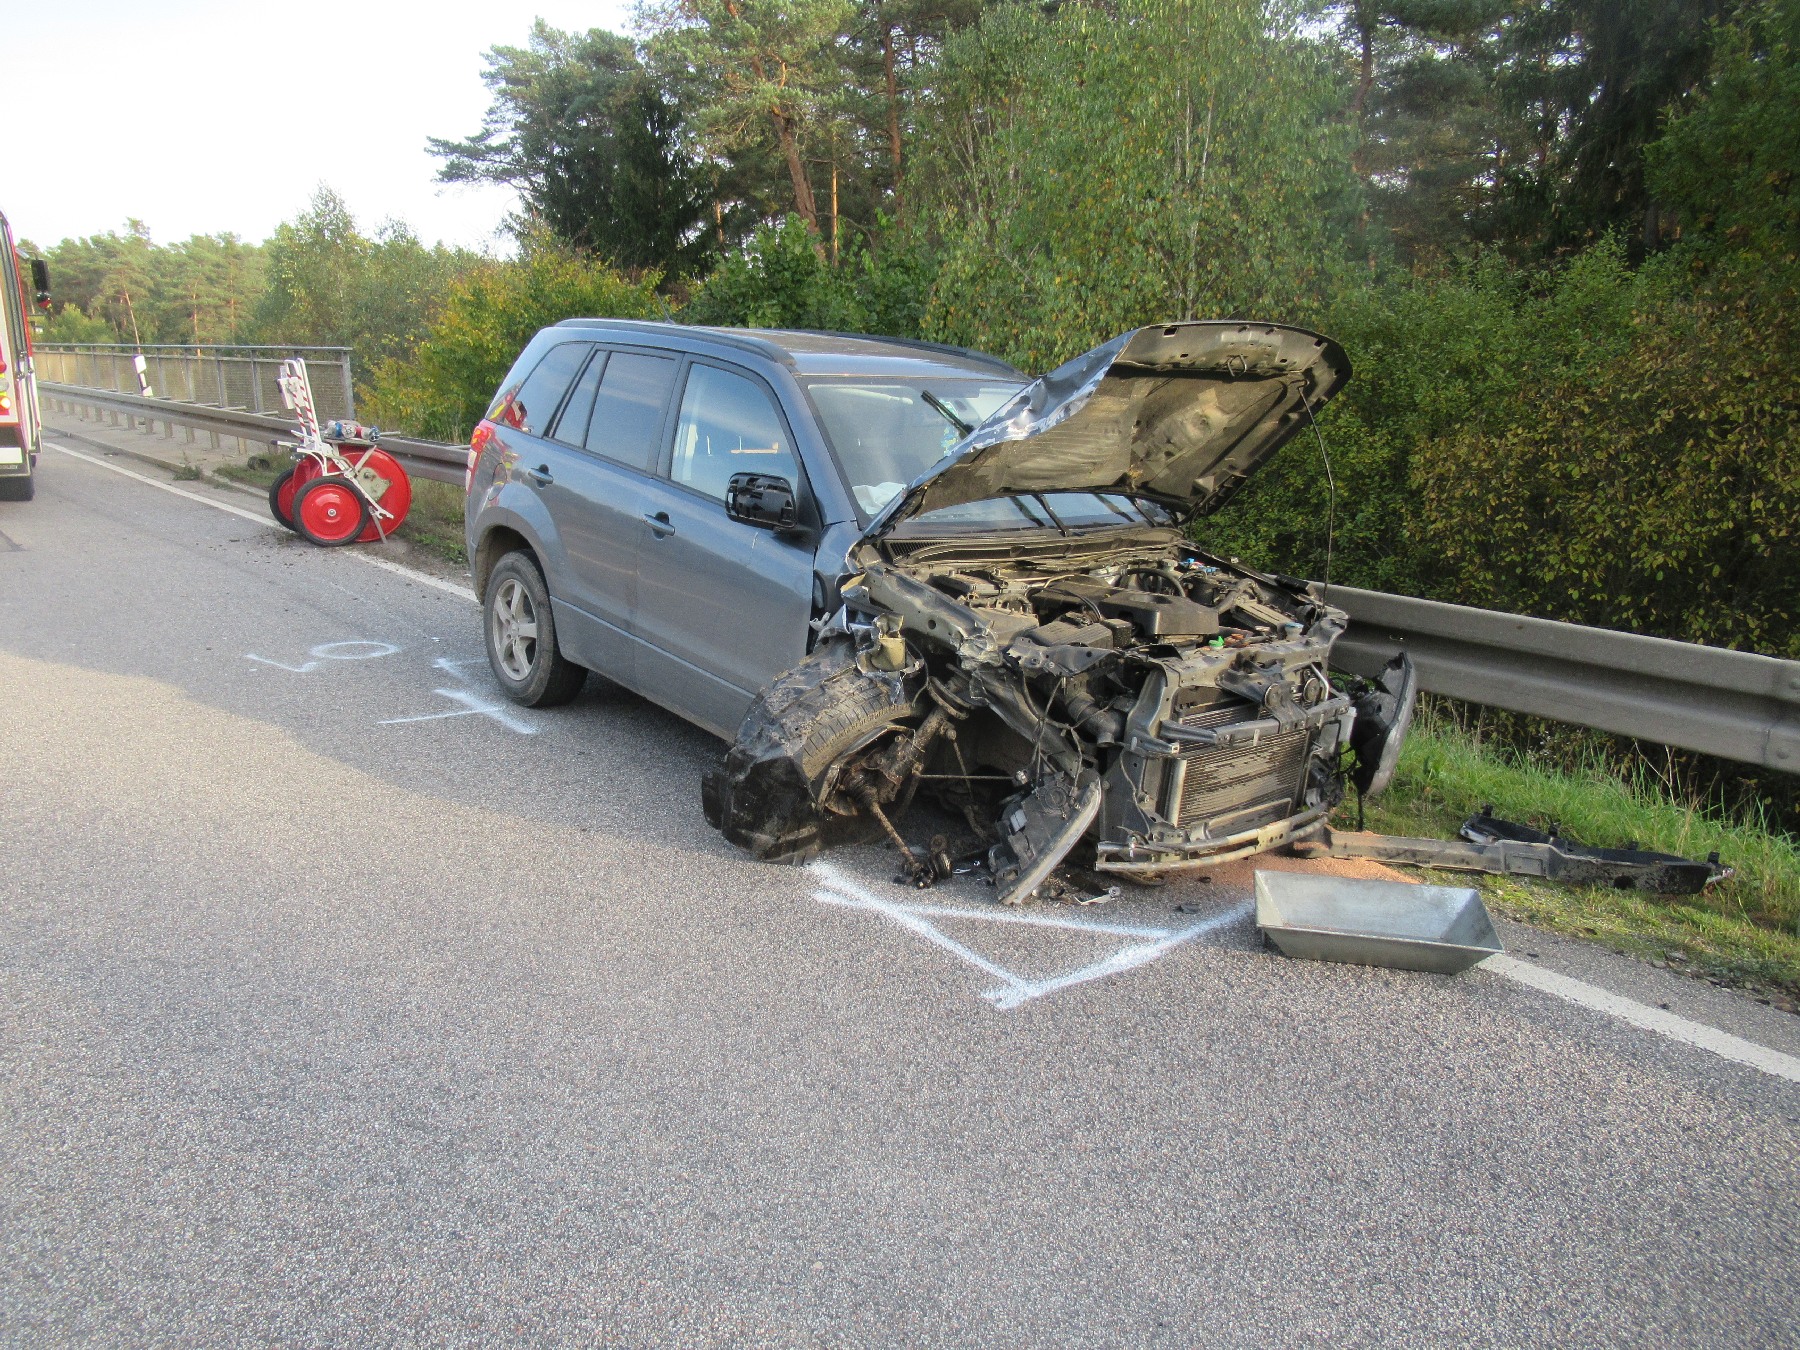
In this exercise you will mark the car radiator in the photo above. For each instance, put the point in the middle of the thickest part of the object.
(1238, 787)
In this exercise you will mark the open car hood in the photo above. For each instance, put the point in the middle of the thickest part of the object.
(1182, 413)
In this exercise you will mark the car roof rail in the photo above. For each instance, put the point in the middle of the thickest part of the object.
(774, 351)
(948, 349)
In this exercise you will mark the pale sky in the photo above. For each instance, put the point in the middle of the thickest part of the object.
(210, 116)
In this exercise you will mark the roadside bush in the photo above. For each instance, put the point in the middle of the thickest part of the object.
(779, 280)
(1655, 488)
(442, 388)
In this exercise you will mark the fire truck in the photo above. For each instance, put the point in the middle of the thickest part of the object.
(21, 431)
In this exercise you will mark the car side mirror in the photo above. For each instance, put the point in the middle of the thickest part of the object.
(761, 499)
(40, 282)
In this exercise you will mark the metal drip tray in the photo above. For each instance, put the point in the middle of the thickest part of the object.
(1444, 929)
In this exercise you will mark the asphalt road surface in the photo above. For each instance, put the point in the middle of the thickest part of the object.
(344, 1004)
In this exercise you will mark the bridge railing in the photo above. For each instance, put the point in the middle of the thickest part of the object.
(236, 377)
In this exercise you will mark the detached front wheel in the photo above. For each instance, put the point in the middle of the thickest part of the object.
(521, 637)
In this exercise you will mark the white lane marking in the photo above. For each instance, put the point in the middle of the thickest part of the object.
(238, 511)
(1014, 989)
(413, 574)
(398, 569)
(1642, 1015)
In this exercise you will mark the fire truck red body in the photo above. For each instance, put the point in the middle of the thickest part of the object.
(21, 431)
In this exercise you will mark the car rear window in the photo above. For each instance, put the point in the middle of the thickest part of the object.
(531, 406)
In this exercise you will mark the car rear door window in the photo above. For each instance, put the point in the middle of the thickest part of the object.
(572, 422)
(534, 404)
(628, 411)
(728, 425)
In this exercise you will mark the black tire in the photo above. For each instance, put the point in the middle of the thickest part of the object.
(530, 667)
(18, 489)
(281, 517)
(765, 796)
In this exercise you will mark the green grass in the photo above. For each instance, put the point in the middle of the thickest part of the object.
(259, 471)
(435, 522)
(1745, 930)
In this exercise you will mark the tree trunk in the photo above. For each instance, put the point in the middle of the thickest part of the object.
(893, 109)
(1365, 34)
(804, 202)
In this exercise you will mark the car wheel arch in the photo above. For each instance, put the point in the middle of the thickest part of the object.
(496, 542)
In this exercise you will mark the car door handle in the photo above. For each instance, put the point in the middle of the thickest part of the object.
(541, 475)
(659, 524)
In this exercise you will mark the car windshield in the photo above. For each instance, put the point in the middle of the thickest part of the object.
(886, 431)
(1046, 510)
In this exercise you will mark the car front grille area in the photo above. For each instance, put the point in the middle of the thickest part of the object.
(1220, 713)
(1243, 787)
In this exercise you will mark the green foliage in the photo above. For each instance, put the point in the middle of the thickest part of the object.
(125, 287)
(70, 323)
(1080, 190)
(767, 78)
(1651, 485)
(1601, 444)
(594, 146)
(779, 281)
(331, 285)
(1589, 83)
(441, 387)
(1730, 164)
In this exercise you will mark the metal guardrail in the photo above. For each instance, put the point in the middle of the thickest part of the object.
(423, 459)
(238, 377)
(1737, 705)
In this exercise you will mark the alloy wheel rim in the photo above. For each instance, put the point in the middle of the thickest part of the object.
(515, 630)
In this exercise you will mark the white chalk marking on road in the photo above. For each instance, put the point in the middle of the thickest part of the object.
(1642, 1015)
(453, 666)
(1006, 914)
(473, 704)
(329, 651)
(398, 569)
(1015, 989)
(333, 651)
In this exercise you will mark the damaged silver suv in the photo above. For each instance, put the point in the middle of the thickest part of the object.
(895, 567)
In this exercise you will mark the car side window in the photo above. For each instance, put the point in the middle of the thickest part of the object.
(530, 407)
(572, 422)
(629, 410)
(728, 425)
